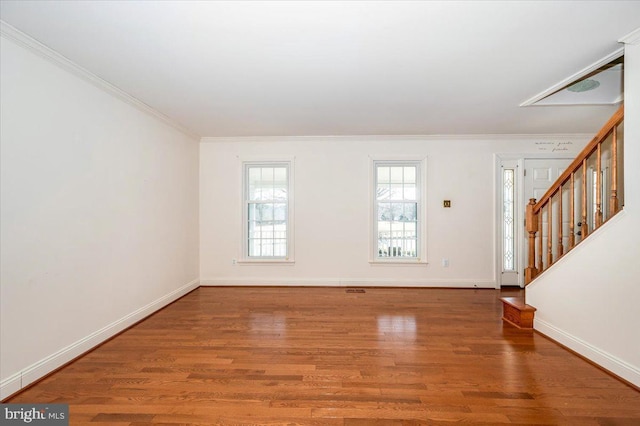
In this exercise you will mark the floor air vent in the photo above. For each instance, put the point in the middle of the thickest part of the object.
(355, 290)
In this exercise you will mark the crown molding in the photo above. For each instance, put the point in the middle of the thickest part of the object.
(61, 61)
(395, 138)
(560, 85)
(632, 38)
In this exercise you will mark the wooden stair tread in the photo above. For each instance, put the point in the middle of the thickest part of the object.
(517, 313)
(518, 303)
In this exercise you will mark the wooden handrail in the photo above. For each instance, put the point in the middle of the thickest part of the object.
(555, 247)
(584, 154)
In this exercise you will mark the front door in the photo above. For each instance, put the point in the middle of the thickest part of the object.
(519, 180)
(540, 174)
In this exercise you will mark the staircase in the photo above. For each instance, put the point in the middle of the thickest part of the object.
(583, 198)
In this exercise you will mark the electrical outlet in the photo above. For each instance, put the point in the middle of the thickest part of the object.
(445, 262)
(234, 261)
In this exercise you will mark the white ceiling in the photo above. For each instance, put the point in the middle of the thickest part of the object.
(339, 68)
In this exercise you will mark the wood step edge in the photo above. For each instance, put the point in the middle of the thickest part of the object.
(518, 303)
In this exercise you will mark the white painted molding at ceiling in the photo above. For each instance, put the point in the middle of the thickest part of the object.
(558, 86)
(398, 138)
(632, 38)
(54, 57)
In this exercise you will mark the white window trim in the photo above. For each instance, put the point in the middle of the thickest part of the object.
(422, 259)
(243, 258)
(513, 165)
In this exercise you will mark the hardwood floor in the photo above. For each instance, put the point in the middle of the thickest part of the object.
(322, 356)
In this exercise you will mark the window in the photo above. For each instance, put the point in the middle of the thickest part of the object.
(397, 210)
(508, 219)
(267, 211)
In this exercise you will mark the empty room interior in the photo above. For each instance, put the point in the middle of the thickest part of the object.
(323, 213)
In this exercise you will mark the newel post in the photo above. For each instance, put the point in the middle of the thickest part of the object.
(530, 271)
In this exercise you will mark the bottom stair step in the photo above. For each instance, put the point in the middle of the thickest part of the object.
(516, 312)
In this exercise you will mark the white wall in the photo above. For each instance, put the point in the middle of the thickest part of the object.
(99, 220)
(99, 210)
(589, 302)
(332, 229)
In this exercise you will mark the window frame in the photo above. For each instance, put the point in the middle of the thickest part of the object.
(421, 217)
(514, 240)
(288, 258)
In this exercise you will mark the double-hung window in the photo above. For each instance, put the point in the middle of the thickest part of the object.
(397, 211)
(267, 210)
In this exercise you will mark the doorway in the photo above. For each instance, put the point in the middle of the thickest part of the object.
(518, 180)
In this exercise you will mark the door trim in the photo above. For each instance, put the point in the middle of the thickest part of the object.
(519, 160)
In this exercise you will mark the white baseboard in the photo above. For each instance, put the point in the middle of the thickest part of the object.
(19, 380)
(604, 359)
(347, 282)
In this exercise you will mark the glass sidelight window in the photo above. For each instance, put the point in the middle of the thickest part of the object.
(508, 220)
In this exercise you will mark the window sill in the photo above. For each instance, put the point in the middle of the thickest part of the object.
(266, 262)
(396, 262)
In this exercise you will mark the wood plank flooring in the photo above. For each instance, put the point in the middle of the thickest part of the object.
(322, 356)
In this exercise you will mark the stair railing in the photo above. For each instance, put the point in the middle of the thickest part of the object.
(587, 194)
